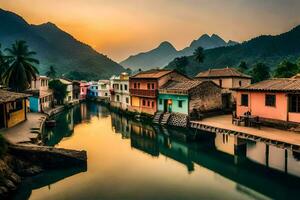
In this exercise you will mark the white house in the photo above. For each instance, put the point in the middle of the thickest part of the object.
(120, 96)
(103, 89)
(69, 96)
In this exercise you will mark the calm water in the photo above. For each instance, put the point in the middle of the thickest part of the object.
(128, 160)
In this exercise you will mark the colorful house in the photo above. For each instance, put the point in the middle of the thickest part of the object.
(188, 96)
(274, 100)
(42, 97)
(144, 88)
(93, 89)
(226, 78)
(83, 89)
(120, 97)
(76, 90)
(69, 84)
(104, 89)
(12, 108)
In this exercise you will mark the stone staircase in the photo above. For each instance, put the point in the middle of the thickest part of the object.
(157, 117)
(165, 118)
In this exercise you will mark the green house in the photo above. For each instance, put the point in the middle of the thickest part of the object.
(187, 96)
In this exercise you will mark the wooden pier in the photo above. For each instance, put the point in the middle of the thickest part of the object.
(222, 125)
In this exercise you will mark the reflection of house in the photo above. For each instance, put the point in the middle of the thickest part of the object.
(226, 78)
(144, 88)
(42, 96)
(12, 108)
(186, 96)
(83, 89)
(275, 100)
(103, 89)
(69, 84)
(120, 97)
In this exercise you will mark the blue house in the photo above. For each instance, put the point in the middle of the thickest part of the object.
(93, 89)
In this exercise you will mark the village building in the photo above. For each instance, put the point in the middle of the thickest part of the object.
(42, 97)
(104, 89)
(144, 88)
(119, 92)
(76, 90)
(12, 108)
(69, 84)
(226, 78)
(93, 89)
(83, 89)
(276, 100)
(189, 96)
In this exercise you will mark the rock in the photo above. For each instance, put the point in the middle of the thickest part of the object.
(31, 171)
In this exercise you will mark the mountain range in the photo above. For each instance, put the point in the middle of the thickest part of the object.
(267, 49)
(166, 52)
(53, 46)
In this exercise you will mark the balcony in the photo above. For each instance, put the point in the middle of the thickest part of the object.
(143, 93)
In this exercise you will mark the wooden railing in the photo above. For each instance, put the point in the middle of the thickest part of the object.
(144, 93)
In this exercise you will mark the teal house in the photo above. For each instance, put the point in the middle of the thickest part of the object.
(189, 96)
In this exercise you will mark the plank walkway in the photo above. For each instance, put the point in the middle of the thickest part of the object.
(223, 124)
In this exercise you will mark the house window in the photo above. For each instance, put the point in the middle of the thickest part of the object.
(240, 83)
(152, 104)
(160, 101)
(180, 104)
(144, 102)
(148, 102)
(220, 83)
(148, 86)
(134, 85)
(152, 86)
(294, 103)
(121, 87)
(270, 100)
(125, 87)
(138, 85)
(244, 100)
(105, 94)
(127, 100)
(118, 98)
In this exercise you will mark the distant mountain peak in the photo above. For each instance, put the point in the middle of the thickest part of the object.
(203, 37)
(166, 45)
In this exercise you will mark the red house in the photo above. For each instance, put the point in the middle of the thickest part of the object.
(143, 88)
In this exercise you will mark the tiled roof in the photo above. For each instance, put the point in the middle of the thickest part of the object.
(7, 96)
(225, 72)
(180, 86)
(65, 81)
(155, 73)
(274, 85)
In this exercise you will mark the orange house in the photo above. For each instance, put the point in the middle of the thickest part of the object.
(143, 88)
(274, 100)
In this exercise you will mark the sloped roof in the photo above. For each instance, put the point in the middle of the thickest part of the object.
(274, 85)
(224, 72)
(154, 73)
(7, 96)
(65, 81)
(180, 86)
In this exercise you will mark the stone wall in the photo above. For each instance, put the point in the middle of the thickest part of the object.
(178, 119)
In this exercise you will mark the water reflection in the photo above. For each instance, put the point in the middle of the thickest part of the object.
(199, 165)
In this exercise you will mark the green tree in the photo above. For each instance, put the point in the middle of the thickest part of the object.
(59, 90)
(243, 67)
(286, 69)
(181, 63)
(199, 55)
(3, 65)
(260, 72)
(51, 73)
(21, 69)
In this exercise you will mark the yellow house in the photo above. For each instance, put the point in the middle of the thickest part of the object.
(12, 108)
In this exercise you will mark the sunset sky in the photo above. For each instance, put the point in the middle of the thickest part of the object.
(119, 28)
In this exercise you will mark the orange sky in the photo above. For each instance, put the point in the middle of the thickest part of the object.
(119, 28)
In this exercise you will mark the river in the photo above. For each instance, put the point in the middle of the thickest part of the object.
(130, 160)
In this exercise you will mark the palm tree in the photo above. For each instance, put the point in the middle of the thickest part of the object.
(199, 54)
(52, 72)
(21, 69)
(3, 65)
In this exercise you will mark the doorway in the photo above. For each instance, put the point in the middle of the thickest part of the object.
(166, 105)
(226, 101)
(2, 123)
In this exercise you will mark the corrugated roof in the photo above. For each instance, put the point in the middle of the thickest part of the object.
(224, 72)
(275, 85)
(155, 73)
(7, 96)
(180, 86)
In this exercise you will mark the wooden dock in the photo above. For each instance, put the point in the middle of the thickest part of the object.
(222, 125)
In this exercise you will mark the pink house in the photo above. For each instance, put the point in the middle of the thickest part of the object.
(274, 100)
(83, 89)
